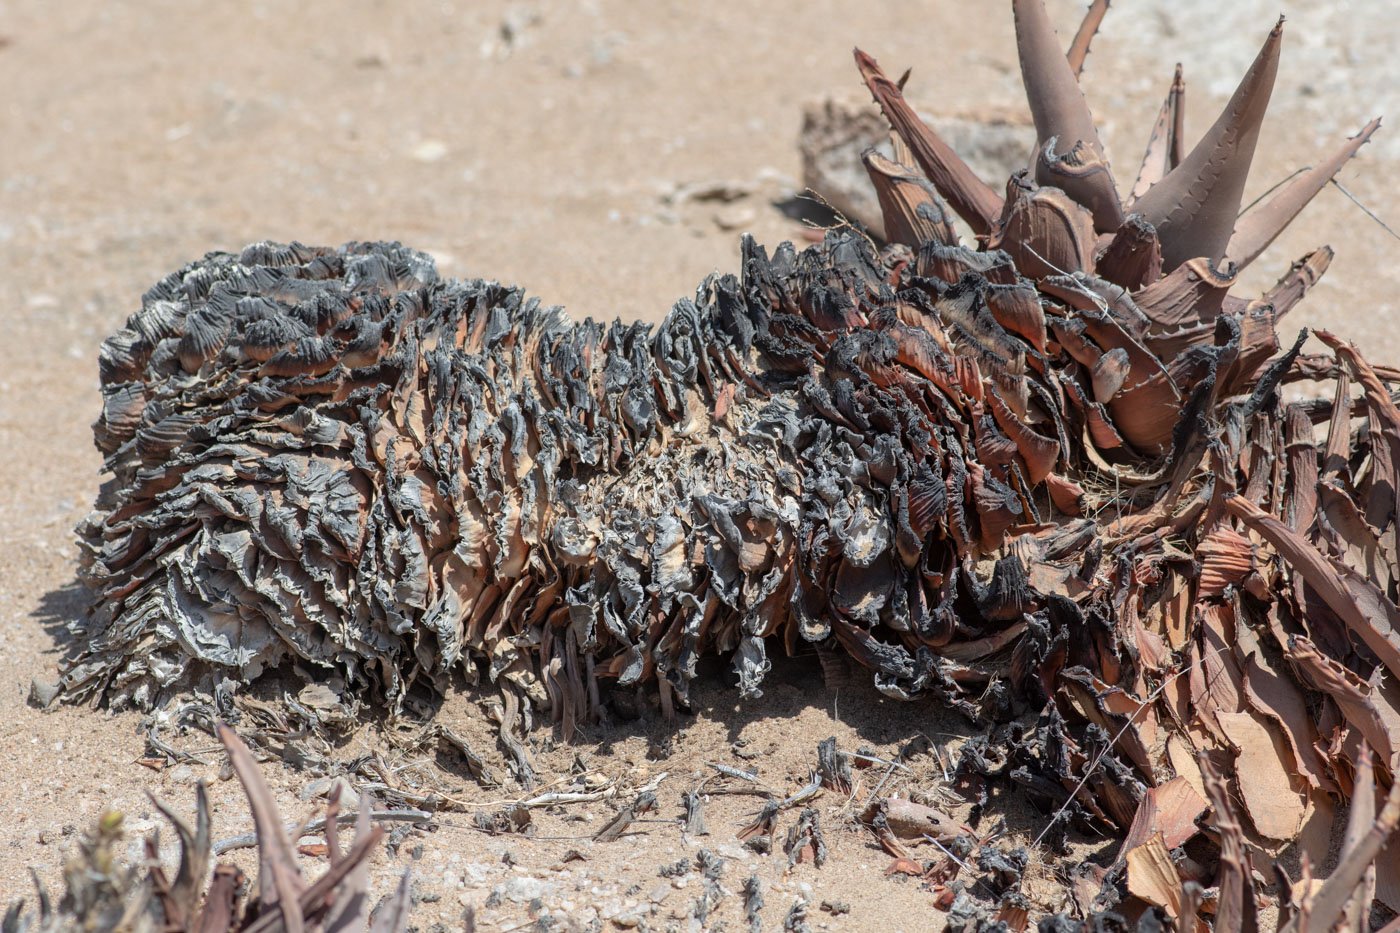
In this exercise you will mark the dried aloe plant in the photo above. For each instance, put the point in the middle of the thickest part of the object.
(1049, 479)
(105, 896)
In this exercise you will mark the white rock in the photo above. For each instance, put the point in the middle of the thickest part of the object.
(523, 889)
(630, 918)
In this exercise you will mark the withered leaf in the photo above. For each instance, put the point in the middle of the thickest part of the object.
(1271, 692)
(1153, 877)
(102, 893)
(1178, 807)
(1264, 769)
(910, 820)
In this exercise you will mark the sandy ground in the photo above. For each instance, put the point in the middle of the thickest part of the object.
(549, 145)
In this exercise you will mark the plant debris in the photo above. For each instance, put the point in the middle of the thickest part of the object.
(694, 813)
(805, 842)
(104, 896)
(753, 903)
(1050, 479)
(617, 826)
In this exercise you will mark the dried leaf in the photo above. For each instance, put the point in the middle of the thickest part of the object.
(279, 878)
(1153, 877)
(1344, 591)
(909, 820)
(1165, 144)
(1264, 768)
(1079, 46)
(912, 210)
(1179, 805)
(1236, 909)
(1332, 896)
(1062, 117)
(974, 201)
(1194, 206)
(1257, 229)
(1271, 692)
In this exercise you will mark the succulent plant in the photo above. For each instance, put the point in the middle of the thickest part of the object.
(1048, 474)
(105, 895)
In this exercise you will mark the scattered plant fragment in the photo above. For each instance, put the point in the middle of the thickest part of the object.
(104, 896)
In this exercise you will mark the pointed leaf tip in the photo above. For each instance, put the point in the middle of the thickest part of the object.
(1257, 229)
(1088, 28)
(1060, 112)
(1052, 91)
(279, 879)
(973, 201)
(1164, 145)
(1195, 206)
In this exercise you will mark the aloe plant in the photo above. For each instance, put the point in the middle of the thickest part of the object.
(1046, 476)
